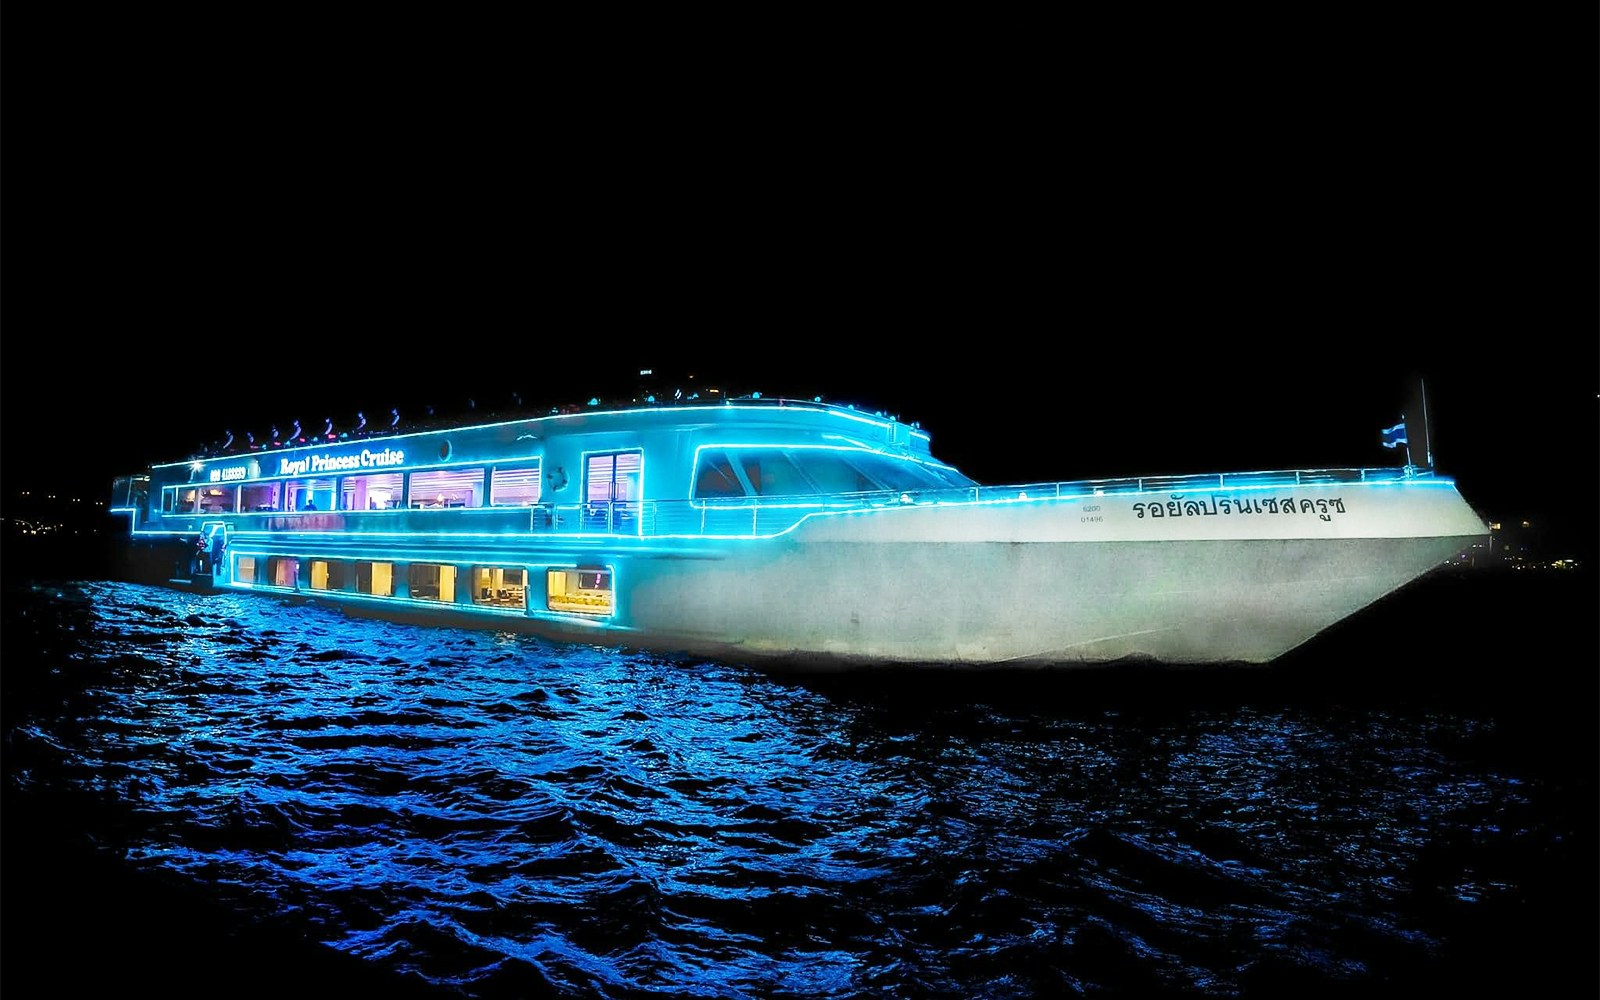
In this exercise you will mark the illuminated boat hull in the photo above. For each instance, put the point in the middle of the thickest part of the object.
(1037, 583)
(1190, 570)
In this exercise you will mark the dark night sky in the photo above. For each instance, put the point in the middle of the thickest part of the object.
(1176, 259)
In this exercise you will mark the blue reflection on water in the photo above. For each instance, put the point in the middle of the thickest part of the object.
(490, 810)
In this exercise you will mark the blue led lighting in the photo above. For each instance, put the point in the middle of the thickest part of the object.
(854, 446)
(1064, 493)
(830, 409)
(588, 619)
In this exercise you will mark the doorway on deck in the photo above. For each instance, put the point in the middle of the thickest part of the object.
(611, 491)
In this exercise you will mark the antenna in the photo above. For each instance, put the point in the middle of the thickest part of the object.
(1427, 439)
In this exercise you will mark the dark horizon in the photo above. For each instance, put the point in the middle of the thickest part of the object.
(1199, 270)
(1052, 421)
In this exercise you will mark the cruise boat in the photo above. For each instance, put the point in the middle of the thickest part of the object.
(797, 531)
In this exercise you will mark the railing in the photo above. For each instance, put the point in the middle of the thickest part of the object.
(129, 492)
(764, 516)
(744, 516)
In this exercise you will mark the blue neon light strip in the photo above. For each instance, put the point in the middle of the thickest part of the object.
(595, 620)
(828, 409)
(893, 456)
(820, 508)
(589, 619)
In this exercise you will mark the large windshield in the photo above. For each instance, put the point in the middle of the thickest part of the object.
(768, 472)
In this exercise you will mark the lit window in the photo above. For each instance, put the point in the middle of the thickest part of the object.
(308, 494)
(283, 571)
(447, 488)
(219, 500)
(500, 586)
(375, 578)
(382, 491)
(431, 582)
(259, 497)
(515, 487)
(586, 591)
(181, 500)
(327, 575)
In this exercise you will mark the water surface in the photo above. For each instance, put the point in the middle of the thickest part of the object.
(484, 814)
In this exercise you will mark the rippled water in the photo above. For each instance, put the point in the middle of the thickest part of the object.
(503, 816)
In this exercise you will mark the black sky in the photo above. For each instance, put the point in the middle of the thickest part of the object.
(1205, 252)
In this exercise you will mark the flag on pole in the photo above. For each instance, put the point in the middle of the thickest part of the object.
(1394, 437)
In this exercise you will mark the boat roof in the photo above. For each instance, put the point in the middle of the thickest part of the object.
(872, 428)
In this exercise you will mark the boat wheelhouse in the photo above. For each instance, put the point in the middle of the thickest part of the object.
(794, 530)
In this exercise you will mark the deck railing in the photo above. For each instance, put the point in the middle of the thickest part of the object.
(745, 516)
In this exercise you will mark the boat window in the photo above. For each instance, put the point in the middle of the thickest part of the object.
(951, 477)
(714, 478)
(130, 491)
(515, 487)
(308, 494)
(382, 491)
(260, 497)
(586, 591)
(898, 474)
(327, 575)
(432, 582)
(181, 499)
(500, 586)
(283, 571)
(612, 488)
(438, 488)
(769, 472)
(219, 500)
(375, 578)
(244, 569)
(773, 474)
(613, 478)
(832, 473)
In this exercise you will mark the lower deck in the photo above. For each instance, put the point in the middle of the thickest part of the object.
(554, 588)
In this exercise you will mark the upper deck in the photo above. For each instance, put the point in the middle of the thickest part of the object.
(617, 457)
(746, 468)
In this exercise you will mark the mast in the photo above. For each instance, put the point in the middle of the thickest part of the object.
(1427, 441)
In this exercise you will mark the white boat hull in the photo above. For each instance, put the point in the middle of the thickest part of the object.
(781, 532)
(1029, 604)
(1035, 584)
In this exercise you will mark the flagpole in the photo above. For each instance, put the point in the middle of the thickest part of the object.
(1405, 421)
(1427, 439)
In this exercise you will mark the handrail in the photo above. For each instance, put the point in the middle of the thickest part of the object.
(746, 516)
(756, 516)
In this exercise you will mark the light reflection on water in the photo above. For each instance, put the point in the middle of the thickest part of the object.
(485, 808)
